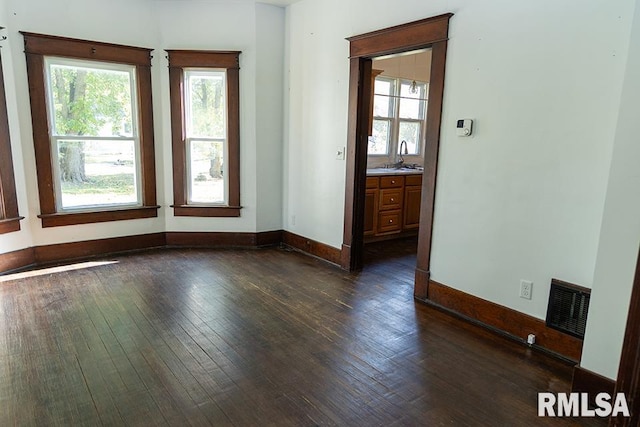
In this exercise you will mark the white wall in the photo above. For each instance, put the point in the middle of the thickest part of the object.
(620, 234)
(269, 110)
(521, 199)
(157, 24)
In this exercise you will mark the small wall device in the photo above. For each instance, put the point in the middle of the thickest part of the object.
(464, 127)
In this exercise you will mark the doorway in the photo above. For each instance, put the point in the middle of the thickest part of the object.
(428, 33)
(395, 156)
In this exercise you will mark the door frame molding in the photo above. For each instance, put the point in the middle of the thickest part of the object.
(628, 381)
(426, 33)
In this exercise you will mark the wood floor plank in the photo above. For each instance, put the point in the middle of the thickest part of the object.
(255, 337)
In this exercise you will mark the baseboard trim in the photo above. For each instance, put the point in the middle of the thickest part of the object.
(221, 239)
(62, 252)
(586, 381)
(504, 320)
(91, 248)
(17, 260)
(421, 286)
(311, 247)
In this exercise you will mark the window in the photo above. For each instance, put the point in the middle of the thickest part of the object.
(9, 217)
(205, 127)
(399, 114)
(92, 130)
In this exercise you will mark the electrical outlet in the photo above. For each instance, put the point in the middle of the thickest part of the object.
(526, 287)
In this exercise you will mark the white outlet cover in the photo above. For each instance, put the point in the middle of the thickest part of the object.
(526, 288)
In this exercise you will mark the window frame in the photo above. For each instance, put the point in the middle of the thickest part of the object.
(39, 46)
(9, 215)
(179, 61)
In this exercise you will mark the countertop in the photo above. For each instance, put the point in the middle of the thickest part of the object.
(391, 171)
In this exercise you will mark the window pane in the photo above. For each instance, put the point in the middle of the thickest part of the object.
(91, 101)
(379, 141)
(383, 87)
(412, 105)
(409, 132)
(97, 173)
(206, 170)
(406, 92)
(382, 106)
(206, 104)
(411, 109)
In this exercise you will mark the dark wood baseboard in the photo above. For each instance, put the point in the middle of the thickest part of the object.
(421, 285)
(49, 254)
(17, 260)
(311, 247)
(504, 320)
(221, 239)
(586, 381)
(91, 248)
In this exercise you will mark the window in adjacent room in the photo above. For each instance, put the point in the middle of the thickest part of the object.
(399, 114)
(9, 217)
(92, 128)
(204, 88)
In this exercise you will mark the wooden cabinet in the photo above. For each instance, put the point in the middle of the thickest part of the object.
(392, 204)
(412, 199)
(370, 203)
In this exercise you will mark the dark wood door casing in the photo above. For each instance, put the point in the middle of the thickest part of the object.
(427, 33)
(628, 381)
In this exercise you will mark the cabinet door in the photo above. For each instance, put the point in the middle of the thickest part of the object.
(412, 207)
(370, 212)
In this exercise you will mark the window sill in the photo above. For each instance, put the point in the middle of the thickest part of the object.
(206, 211)
(9, 225)
(74, 218)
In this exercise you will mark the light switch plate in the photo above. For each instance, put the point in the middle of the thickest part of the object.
(340, 153)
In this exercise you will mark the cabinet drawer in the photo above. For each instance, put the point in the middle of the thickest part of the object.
(391, 181)
(390, 199)
(372, 182)
(413, 180)
(389, 221)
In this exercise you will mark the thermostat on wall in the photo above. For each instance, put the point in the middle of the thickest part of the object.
(464, 127)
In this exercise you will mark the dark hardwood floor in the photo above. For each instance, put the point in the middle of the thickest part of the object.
(254, 337)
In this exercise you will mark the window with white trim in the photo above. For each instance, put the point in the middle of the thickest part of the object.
(95, 143)
(399, 114)
(206, 136)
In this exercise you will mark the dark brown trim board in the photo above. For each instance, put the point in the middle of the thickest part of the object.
(311, 247)
(427, 33)
(9, 216)
(17, 259)
(41, 255)
(585, 381)
(505, 320)
(197, 239)
(628, 381)
(91, 248)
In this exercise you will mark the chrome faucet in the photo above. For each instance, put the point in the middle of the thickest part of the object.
(406, 151)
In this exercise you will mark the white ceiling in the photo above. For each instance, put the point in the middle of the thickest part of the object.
(281, 3)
